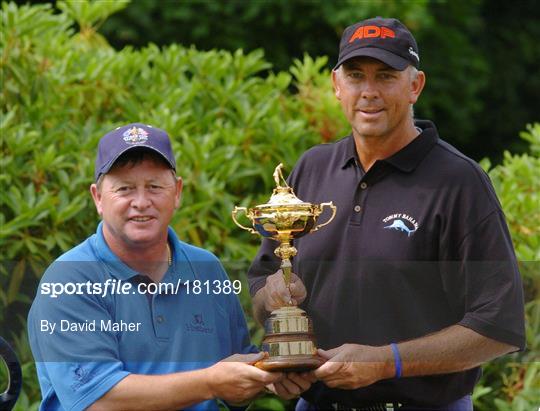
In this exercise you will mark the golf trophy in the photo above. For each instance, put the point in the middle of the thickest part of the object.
(289, 339)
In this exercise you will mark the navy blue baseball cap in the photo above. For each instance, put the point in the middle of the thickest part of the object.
(135, 135)
(386, 40)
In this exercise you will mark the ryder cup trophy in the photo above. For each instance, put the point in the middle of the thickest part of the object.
(289, 338)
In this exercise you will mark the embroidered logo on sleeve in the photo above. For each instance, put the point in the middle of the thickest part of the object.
(82, 376)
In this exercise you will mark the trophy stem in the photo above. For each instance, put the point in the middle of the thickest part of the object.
(285, 251)
(286, 268)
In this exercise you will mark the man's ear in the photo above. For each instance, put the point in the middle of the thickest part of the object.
(417, 85)
(96, 196)
(335, 84)
(178, 195)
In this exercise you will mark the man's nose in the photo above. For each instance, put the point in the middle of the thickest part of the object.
(369, 90)
(141, 199)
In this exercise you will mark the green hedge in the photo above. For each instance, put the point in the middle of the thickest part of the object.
(231, 120)
(464, 48)
(513, 381)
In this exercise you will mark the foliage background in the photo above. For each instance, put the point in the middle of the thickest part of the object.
(233, 116)
(480, 56)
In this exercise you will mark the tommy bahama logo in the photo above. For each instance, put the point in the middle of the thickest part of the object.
(401, 222)
(135, 135)
(197, 325)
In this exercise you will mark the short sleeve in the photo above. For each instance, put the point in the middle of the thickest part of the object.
(76, 367)
(485, 286)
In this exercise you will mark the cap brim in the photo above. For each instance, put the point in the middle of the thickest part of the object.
(388, 58)
(108, 166)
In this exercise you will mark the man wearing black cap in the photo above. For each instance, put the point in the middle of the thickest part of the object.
(104, 332)
(415, 282)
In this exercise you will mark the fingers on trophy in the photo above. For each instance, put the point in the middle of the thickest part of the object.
(289, 338)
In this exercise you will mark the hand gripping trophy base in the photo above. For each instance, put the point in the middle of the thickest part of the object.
(289, 338)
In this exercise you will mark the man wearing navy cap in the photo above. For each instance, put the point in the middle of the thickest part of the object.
(104, 336)
(415, 283)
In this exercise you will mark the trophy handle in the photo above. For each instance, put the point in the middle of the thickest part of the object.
(236, 211)
(333, 207)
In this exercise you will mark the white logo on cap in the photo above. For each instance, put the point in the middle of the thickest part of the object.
(414, 53)
(135, 135)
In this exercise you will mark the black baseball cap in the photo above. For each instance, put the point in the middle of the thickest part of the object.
(387, 40)
(135, 135)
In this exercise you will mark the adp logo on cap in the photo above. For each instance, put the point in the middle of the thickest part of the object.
(386, 40)
(372, 32)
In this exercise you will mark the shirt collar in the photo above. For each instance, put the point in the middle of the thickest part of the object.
(349, 155)
(406, 159)
(118, 269)
(113, 264)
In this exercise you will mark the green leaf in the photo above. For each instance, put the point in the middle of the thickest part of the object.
(17, 276)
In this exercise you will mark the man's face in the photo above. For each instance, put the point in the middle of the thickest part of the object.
(375, 98)
(136, 203)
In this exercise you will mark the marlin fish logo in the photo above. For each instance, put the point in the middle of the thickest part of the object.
(400, 226)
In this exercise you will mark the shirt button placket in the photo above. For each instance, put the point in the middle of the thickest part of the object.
(161, 328)
(357, 207)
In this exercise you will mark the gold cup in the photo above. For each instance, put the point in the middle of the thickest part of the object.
(289, 338)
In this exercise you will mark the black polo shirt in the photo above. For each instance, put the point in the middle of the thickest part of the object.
(419, 243)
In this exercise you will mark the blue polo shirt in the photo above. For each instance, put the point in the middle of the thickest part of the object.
(86, 339)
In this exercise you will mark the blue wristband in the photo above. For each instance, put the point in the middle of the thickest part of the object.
(397, 360)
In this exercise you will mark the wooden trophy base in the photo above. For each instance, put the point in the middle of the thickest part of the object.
(299, 363)
(289, 342)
